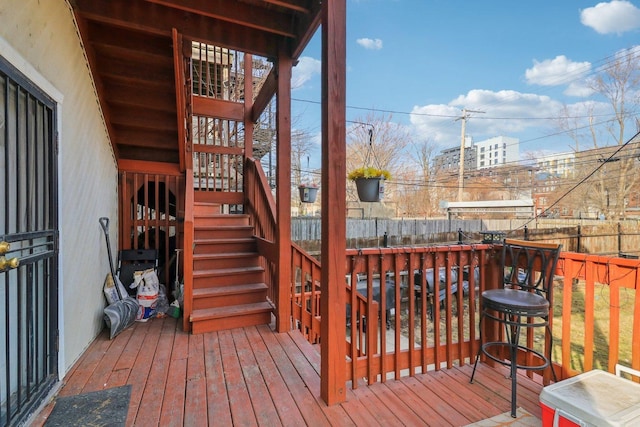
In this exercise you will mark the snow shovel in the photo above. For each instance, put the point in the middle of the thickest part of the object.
(122, 313)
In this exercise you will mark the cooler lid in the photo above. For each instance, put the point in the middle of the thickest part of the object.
(596, 397)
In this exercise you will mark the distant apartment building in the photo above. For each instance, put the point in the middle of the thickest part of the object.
(608, 160)
(561, 165)
(497, 151)
(492, 152)
(449, 160)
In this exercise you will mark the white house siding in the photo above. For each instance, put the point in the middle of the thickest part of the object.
(39, 37)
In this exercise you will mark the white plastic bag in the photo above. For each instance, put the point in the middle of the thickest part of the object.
(148, 286)
(110, 291)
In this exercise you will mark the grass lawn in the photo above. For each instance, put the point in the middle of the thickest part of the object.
(602, 305)
(601, 331)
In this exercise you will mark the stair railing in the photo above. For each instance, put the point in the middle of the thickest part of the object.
(188, 253)
(305, 293)
(261, 207)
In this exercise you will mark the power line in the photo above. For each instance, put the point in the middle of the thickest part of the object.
(446, 116)
(583, 180)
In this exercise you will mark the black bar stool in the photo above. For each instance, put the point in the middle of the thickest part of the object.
(524, 301)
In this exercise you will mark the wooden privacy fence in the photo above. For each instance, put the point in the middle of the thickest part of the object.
(585, 236)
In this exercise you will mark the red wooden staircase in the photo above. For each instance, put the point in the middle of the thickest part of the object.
(228, 279)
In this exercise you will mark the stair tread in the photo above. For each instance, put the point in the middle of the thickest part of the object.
(225, 240)
(234, 310)
(246, 254)
(227, 271)
(223, 227)
(230, 289)
(222, 215)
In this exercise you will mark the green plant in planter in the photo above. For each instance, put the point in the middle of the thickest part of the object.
(369, 182)
(368, 172)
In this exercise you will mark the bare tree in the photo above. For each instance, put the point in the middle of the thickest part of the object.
(419, 195)
(378, 142)
(301, 147)
(618, 83)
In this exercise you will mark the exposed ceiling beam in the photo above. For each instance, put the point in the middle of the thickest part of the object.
(160, 20)
(307, 27)
(291, 4)
(237, 13)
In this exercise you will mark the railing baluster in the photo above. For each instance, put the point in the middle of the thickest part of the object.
(448, 305)
(589, 321)
(372, 330)
(424, 315)
(635, 349)
(411, 309)
(460, 304)
(614, 316)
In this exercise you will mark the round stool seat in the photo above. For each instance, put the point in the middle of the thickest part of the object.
(515, 301)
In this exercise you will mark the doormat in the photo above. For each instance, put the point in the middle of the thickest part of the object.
(107, 407)
(522, 419)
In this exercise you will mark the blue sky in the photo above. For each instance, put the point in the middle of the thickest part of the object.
(423, 61)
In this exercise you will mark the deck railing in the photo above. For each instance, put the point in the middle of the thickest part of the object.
(597, 312)
(425, 299)
(395, 331)
(305, 291)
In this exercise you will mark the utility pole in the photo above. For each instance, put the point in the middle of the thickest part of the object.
(465, 116)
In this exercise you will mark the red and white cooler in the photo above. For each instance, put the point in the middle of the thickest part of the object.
(594, 398)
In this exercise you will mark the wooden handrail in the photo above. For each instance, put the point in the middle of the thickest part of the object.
(188, 252)
(259, 201)
(261, 207)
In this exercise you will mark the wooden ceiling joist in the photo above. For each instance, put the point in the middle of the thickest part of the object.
(218, 108)
(291, 5)
(139, 96)
(263, 19)
(158, 19)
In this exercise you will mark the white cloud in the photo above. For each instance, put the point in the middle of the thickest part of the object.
(305, 70)
(557, 71)
(616, 16)
(370, 44)
(507, 113)
(579, 89)
(560, 71)
(435, 122)
(438, 122)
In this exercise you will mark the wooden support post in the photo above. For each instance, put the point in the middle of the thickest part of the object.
(333, 327)
(248, 105)
(283, 192)
(492, 280)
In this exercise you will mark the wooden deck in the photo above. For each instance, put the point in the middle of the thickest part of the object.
(253, 376)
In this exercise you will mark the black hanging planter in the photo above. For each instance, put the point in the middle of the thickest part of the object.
(308, 194)
(370, 189)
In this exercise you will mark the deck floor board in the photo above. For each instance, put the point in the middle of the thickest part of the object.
(254, 376)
